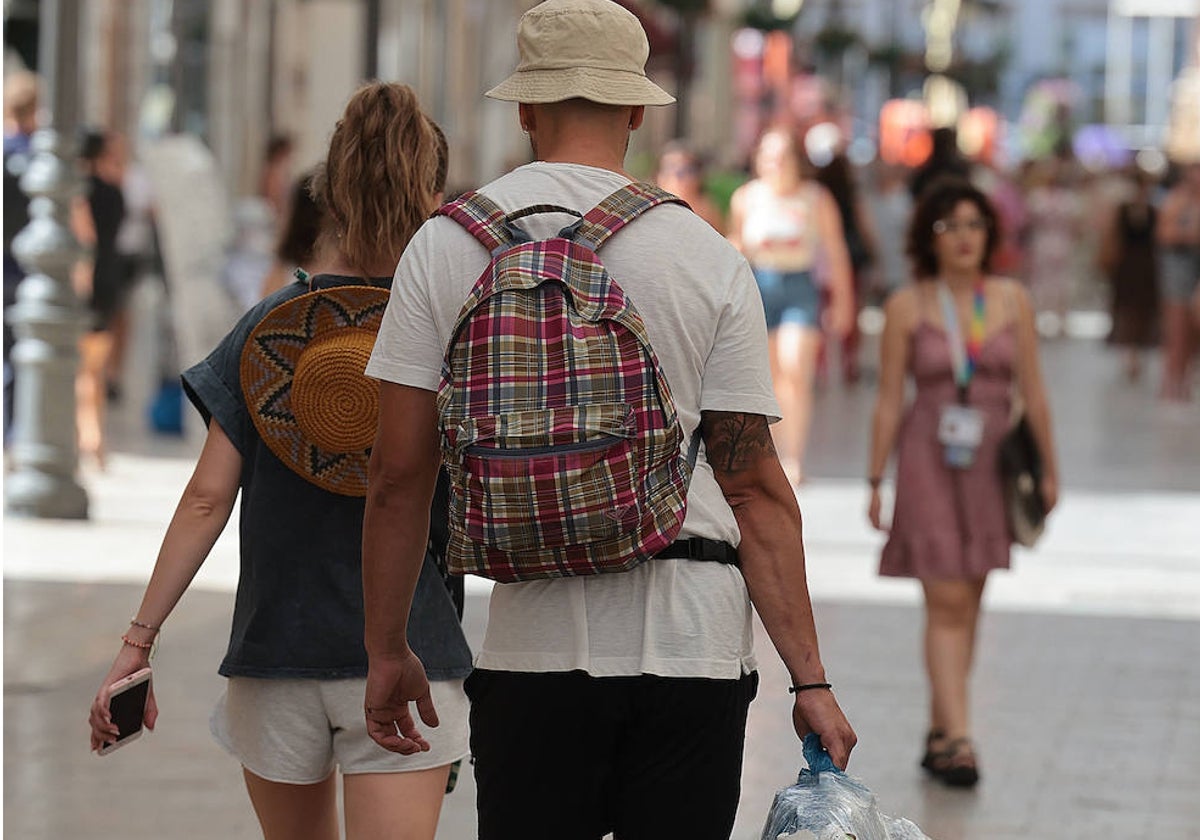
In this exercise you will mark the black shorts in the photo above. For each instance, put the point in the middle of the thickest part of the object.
(569, 756)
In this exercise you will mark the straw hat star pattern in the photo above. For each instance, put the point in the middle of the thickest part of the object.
(302, 377)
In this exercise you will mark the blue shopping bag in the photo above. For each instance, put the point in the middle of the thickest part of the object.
(831, 805)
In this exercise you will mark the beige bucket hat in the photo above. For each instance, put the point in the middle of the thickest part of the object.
(590, 49)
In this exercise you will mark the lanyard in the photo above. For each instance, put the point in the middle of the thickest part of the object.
(963, 354)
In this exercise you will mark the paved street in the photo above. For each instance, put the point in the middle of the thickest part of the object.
(1087, 698)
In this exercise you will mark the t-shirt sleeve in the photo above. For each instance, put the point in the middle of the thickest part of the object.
(409, 348)
(737, 374)
(214, 385)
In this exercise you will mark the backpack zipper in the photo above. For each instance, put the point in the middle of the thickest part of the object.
(535, 451)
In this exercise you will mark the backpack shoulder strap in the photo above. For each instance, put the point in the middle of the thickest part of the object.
(618, 210)
(481, 217)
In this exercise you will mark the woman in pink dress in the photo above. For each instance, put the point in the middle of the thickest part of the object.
(967, 339)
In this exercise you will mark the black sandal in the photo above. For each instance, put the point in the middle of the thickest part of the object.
(930, 752)
(956, 765)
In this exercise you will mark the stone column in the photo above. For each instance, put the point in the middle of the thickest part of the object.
(47, 317)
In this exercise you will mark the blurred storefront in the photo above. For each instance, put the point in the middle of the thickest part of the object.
(236, 72)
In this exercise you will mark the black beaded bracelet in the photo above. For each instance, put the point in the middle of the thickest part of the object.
(796, 689)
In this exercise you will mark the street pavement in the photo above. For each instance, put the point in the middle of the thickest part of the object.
(1087, 688)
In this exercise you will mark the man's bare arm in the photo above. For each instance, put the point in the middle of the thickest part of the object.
(402, 473)
(771, 555)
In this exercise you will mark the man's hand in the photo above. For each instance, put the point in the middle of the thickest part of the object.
(391, 685)
(818, 711)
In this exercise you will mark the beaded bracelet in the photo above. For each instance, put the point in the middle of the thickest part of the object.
(796, 689)
(150, 647)
(137, 623)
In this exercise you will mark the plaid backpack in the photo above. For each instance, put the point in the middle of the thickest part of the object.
(557, 424)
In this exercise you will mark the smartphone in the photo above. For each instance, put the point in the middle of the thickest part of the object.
(127, 705)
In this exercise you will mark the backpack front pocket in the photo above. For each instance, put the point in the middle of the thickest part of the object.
(548, 478)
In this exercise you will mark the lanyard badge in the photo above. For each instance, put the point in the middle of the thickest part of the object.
(960, 427)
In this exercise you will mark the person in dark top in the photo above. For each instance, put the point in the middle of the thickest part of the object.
(274, 394)
(1130, 259)
(837, 176)
(944, 161)
(102, 284)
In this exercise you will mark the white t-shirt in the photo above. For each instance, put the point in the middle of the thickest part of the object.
(702, 311)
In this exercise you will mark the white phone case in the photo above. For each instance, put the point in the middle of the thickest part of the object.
(117, 689)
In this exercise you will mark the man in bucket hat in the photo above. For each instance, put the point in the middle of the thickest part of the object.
(614, 702)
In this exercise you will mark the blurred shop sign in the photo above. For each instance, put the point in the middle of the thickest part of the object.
(904, 132)
(1156, 8)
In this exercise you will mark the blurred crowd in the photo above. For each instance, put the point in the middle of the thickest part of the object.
(961, 266)
(1075, 235)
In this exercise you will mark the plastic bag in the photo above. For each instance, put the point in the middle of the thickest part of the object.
(831, 805)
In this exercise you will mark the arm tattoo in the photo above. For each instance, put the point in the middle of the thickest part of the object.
(735, 442)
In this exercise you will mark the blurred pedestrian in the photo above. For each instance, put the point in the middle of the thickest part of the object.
(257, 222)
(945, 160)
(275, 180)
(20, 122)
(784, 222)
(967, 340)
(1179, 235)
(102, 281)
(680, 171)
(858, 229)
(611, 702)
(891, 207)
(274, 394)
(297, 238)
(138, 251)
(1008, 197)
(1055, 220)
(1129, 259)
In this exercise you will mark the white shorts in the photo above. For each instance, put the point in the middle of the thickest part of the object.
(297, 731)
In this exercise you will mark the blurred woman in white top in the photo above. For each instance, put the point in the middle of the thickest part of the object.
(785, 222)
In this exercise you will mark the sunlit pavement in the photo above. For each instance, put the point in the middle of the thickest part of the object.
(1087, 697)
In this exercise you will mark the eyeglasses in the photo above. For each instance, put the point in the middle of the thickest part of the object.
(954, 226)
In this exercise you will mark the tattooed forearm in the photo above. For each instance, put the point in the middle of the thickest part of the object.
(735, 442)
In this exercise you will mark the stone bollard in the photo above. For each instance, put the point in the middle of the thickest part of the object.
(47, 320)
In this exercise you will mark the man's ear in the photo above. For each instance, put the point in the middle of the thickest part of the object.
(526, 115)
(636, 117)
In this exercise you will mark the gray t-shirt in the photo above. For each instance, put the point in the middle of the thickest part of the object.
(704, 317)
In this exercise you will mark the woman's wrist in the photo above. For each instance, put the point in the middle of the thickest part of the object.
(874, 481)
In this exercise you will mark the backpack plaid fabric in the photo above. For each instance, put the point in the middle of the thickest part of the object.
(558, 428)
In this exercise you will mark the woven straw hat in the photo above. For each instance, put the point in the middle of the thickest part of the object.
(591, 49)
(302, 377)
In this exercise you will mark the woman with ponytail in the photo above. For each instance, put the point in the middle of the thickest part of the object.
(290, 422)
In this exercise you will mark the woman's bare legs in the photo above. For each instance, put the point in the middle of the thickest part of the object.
(90, 395)
(1177, 328)
(951, 620)
(394, 806)
(295, 812)
(794, 350)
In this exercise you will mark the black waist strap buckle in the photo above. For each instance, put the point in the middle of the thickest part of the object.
(701, 548)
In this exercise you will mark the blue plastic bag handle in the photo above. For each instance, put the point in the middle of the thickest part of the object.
(816, 756)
